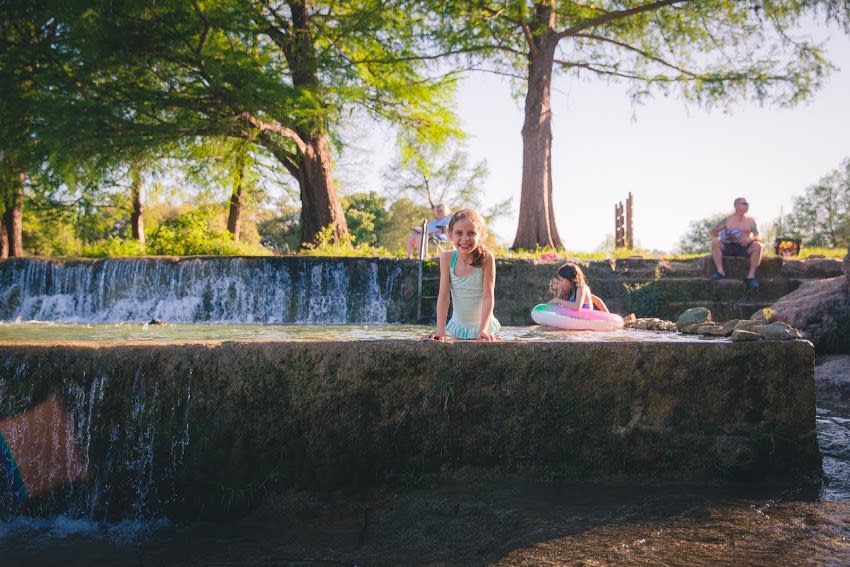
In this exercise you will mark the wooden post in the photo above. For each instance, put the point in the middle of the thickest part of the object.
(623, 228)
(619, 233)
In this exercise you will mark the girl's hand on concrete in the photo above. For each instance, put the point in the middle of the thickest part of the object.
(434, 337)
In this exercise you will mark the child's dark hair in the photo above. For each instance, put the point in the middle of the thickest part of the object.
(572, 273)
(480, 253)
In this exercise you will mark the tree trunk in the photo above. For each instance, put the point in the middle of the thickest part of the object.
(4, 242)
(320, 206)
(137, 221)
(13, 218)
(234, 216)
(536, 215)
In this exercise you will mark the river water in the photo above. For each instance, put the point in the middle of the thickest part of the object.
(467, 520)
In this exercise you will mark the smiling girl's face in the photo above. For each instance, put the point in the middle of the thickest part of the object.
(465, 236)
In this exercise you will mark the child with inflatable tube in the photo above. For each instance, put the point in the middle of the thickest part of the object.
(573, 306)
(467, 282)
(570, 289)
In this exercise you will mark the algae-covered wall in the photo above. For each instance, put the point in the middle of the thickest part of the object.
(195, 429)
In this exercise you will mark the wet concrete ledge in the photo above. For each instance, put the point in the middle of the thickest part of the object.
(193, 429)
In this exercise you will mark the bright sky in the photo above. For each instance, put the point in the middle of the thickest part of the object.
(680, 163)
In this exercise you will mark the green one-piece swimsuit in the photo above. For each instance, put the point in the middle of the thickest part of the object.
(466, 304)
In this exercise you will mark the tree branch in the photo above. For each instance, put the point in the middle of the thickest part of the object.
(618, 15)
(707, 78)
(640, 52)
(288, 159)
(281, 131)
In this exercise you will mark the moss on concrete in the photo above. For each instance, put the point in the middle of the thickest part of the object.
(203, 428)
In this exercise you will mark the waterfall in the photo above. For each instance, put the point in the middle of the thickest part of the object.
(202, 289)
(96, 448)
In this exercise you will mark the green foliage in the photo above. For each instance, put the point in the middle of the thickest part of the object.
(327, 245)
(190, 234)
(45, 238)
(119, 80)
(366, 216)
(821, 217)
(642, 298)
(712, 52)
(434, 173)
(403, 215)
(697, 240)
(281, 232)
(114, 247)
(556, 255)
(807, 252)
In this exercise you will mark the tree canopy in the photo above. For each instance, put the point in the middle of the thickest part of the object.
(821, 217)
(92, 84)
(712, 52)
(131, 75)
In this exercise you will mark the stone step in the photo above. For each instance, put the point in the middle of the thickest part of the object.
(770, 289)
(650, 268)
(645, 286)
(720, 310)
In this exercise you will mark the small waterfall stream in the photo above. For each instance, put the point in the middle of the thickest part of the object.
(203, 289)
(91, 447)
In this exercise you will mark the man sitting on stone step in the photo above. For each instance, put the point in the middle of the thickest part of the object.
(737, 235)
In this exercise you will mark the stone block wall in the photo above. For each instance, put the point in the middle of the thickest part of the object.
(652, 287)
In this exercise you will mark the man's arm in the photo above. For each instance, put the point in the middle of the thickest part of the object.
(754, 231)
(715, 230)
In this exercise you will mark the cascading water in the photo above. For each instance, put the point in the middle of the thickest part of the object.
(96, 448)
(209, 290)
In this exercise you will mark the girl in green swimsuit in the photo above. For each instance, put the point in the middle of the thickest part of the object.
(467, 281)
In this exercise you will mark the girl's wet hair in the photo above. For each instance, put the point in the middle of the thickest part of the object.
(480, 253)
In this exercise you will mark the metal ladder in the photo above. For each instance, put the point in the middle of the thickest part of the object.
(423, 253)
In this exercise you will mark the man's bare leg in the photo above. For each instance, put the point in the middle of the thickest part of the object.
(754, 251)
(717, 256)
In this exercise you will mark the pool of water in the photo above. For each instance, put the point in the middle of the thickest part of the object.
(37, 331)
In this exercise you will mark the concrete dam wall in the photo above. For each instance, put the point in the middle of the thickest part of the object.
(197, 429)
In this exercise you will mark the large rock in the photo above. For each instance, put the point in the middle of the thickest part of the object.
(820, 309)
(693, 316)
(832, 378)
(847, 265)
